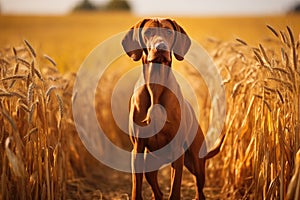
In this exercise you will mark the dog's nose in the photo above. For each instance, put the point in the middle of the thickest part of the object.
(161, 46)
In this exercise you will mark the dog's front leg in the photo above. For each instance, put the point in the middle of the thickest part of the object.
(137, 164)
(176, 175)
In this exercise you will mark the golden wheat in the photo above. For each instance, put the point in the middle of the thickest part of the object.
(260, 149)
(35, 160)
(40, 156)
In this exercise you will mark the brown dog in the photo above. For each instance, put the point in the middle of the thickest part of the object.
(172, 125)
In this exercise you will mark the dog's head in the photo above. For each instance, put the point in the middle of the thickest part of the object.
(157, 39)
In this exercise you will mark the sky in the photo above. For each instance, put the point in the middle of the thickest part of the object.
(152, 7)
(40, 6)
(213, 7)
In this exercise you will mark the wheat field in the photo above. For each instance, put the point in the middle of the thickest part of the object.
(42, 156)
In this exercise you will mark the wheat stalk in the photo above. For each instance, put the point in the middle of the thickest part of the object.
(27, 157)
(273, 30)
(50, 60)
(263, 137)
(241, 41)
(32, 51)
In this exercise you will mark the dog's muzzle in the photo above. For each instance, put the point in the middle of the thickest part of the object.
(160, 47)
(159, 53)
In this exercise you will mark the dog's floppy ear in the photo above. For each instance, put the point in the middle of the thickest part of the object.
(131, 42)
(182, 42)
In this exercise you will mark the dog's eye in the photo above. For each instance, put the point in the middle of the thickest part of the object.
(149, 32)
(169, 32)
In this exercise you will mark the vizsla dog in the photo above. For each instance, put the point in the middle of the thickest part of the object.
(160, 118)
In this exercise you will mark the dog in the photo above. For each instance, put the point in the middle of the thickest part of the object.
(159, 115)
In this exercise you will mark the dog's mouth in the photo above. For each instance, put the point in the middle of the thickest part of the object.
(155, 56)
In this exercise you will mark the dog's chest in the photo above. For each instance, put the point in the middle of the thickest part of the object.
(168, 107)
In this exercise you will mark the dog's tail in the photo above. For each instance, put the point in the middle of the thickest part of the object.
(216, 150)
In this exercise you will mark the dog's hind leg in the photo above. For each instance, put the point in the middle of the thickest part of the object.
(200, 178)
(197, 167)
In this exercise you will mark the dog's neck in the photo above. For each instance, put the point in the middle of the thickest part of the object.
(156, 77)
